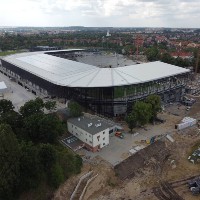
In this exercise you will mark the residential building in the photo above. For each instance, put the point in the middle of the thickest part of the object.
(93, 131)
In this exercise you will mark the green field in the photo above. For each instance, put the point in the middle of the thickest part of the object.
(6, 53)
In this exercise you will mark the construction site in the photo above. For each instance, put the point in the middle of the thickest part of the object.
(155, 162)
(160, 171)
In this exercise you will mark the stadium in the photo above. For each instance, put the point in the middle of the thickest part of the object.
(108, 91)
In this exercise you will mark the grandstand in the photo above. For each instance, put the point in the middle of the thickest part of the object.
(106, 91)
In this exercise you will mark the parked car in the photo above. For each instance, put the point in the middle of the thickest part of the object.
(119, 134)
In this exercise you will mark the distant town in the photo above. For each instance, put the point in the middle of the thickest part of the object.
(171, 45)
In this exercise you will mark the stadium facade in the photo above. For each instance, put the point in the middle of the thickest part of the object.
(106, 91)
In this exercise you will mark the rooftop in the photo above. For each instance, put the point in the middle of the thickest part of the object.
(91, 125)
(69, 73)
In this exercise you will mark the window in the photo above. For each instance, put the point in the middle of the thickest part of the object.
(104, 132)
(104, 138)
(104, 144)
(98, 137)
(111, 131)
(72, 125)
(90, 142)
(75, 127)
(86, 139)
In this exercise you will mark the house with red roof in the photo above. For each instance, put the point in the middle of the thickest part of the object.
(183, 55)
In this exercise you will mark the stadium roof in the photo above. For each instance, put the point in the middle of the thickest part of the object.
(69, 73)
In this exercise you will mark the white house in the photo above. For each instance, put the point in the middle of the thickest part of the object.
(93, 131)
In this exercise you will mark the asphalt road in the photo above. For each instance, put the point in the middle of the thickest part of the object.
(16, 93)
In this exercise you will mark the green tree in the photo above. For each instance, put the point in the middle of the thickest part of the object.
(179, 61)
(47, 156)
(78, 164)
(69, 162)
(50, 127)
(131, 120)
(29, 167)
(163, 45)
(14, 119)
(167, 58)
(75, 109)
(155, 102)
(31, 128)
(5, 106)
(143, 112)
(41, 128)
(50, 105)
(32, 107)
(56, 176)
(130, 49)
(152, 54)
(9, 162)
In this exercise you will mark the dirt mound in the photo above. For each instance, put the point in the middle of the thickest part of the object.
(156, 151)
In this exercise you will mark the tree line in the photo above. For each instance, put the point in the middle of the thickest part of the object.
(153, 54)
(30, 154)
(97, 40)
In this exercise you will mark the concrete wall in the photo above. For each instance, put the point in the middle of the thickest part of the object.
(100, 139)
(79, 133)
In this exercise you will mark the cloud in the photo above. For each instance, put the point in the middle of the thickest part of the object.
(174, 13)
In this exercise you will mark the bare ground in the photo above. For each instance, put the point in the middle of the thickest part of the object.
(108, 186)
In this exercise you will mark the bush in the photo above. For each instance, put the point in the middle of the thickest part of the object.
(56, 176)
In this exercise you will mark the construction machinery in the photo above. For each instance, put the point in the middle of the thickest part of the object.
(119, 134)
(194, 186)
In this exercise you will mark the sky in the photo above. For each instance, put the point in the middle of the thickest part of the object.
(101, 13)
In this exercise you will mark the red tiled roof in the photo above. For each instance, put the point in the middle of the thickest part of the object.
(181, 54)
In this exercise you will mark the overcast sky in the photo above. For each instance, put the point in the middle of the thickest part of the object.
(115, 13)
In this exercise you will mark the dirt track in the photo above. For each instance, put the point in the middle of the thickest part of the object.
(154, 154)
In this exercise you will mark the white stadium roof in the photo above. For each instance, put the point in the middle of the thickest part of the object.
(69, 73)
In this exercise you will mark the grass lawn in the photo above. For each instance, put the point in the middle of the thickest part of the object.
(6, 53)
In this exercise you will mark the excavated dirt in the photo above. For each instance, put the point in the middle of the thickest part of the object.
(157, 152)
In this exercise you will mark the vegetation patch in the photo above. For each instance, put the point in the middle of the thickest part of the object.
(30, 152)
(6, 53)
(194, 155)
(144, 112)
